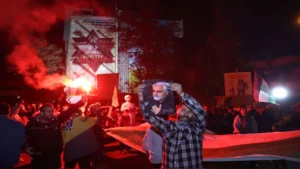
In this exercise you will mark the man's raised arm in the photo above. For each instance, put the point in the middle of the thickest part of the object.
(193, 105)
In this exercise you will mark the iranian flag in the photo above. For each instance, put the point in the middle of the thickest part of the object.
(261, 90)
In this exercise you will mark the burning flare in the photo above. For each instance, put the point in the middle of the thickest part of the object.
(80, 82)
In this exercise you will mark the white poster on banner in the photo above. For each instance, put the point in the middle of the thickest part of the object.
(238, 84)
(92, 48)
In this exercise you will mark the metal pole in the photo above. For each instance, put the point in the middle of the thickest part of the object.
(117, 40)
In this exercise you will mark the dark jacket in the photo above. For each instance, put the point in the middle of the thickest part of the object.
(11, 142)
(46, 138)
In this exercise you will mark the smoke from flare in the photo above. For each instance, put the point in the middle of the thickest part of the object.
(25, 18)
(28, 64)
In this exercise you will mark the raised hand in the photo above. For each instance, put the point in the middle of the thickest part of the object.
(156, 109)
(177, 88)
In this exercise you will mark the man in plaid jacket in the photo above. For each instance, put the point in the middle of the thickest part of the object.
(182, 139)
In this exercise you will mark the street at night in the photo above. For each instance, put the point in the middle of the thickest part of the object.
(167, 84)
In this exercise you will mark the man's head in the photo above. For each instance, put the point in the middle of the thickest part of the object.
(230, 109)
(243, 110)
(46, 111)
(128, 98)
(4, 109)
(159, 91)
(95, 109)
(184, 114)
(268, 106)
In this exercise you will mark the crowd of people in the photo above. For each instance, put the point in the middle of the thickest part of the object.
(45, 131)
(167, 133)
(243, 119)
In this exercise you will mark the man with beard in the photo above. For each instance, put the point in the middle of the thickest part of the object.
(159, 91)
(160, 95)
(44, 137)
(182, 138)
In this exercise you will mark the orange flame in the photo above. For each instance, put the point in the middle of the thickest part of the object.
(80, 82)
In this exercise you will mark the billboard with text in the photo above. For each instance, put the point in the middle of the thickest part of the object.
(92, 47)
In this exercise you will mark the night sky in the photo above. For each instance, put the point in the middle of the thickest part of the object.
(270, 29)
(267, 27)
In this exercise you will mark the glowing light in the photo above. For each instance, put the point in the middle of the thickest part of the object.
(280, 92)
(80, 82)
(298, 20)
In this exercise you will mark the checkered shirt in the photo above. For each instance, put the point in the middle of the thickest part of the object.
(182, 147)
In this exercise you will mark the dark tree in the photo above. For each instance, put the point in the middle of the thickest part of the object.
(151, 44)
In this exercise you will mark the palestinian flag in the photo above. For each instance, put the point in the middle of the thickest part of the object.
(261, 90)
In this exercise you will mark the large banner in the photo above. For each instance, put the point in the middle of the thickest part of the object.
(92, 47)
(229, 147)
(238, 84)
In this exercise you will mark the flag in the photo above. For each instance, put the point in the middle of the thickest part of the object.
(261, 90)
(222, 148)
(75, 128)
(115, 101)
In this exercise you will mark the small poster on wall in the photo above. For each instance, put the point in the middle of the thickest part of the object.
(238, 84)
